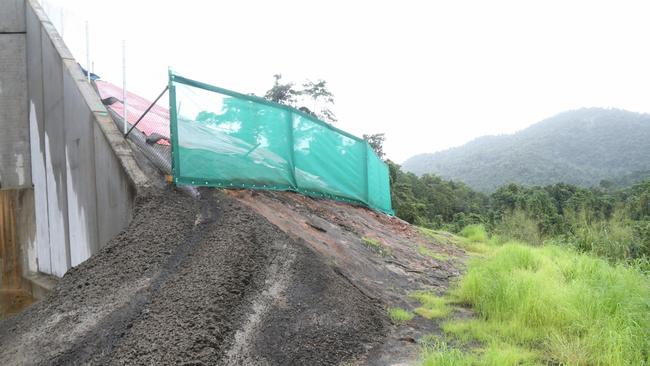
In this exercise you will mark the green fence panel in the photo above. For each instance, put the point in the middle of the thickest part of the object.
(225, 139)
(327, 161)
(378, 181)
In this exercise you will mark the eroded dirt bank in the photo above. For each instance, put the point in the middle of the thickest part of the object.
(197, 282)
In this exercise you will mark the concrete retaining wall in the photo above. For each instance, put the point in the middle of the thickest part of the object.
(14, 135)
(83, 173)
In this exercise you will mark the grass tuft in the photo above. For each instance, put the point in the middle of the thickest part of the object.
(422, 250)
(376, 246)
(438, 353)
(432, 306)
(399, 315)
(500, 354)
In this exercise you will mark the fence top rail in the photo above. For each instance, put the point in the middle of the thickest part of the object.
(253, 98)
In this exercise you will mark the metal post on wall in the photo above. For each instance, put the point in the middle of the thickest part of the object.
(125, 104)
(87, 52)
(62, 23)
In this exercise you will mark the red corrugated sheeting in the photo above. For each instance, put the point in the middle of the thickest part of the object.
(156, 121)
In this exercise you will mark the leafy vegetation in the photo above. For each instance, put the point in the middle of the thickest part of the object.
(399, 315)
(612, 223)
(581, 147)
(376, 141)
(432, 202)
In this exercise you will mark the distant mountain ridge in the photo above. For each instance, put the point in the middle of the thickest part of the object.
(580, 147)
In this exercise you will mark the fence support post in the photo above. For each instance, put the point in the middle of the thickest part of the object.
(147, 110)
(87, 48)
(292, 157)
(125, 104)
(173, 126)
(365, 173)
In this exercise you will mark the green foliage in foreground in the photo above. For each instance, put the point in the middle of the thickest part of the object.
(537, 305)
(399, 315)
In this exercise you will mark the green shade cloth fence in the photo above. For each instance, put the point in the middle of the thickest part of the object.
(221, 138)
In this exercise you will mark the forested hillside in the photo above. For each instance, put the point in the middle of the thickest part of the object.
(581, 147)
(611, 222)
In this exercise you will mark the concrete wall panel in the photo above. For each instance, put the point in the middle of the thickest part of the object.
(37, 142)
(114, 192)
(12, 16)
(14, 139)
(55, 165)
(80, 167)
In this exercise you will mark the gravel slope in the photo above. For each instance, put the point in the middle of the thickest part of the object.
(197, 282)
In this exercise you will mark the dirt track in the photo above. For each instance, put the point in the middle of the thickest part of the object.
(197, 282)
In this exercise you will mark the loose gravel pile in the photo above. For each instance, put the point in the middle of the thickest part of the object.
(197, 282)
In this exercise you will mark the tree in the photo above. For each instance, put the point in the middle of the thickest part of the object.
(321, 98)
(282, 93)
(315, 92)
(376, 141)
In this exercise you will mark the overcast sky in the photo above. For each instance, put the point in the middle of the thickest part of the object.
(429, 74)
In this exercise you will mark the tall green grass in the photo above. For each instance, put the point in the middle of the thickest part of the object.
(574, 308)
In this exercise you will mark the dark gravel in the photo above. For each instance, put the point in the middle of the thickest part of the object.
(197, 282)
